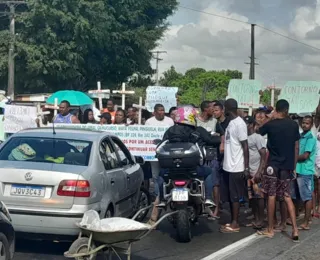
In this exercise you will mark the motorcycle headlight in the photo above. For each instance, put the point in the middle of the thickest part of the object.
(5, 210)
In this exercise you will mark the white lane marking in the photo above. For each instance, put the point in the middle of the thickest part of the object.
(233, 248)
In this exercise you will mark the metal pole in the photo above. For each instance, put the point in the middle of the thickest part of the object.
(157, 69)
(123, 96)
(11, 53)
(252, 58)
(272, 93)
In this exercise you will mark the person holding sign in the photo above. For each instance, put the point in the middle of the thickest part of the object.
(64, 116)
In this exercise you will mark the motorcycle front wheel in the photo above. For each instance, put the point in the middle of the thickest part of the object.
(183, 226)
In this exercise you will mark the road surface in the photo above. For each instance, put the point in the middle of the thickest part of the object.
(160, 244)
(207, 243)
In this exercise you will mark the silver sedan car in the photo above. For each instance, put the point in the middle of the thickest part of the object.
(50, 177)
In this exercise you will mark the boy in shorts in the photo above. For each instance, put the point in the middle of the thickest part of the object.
(305, 170)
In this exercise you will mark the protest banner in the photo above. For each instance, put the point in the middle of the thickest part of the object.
(138, 138)
(303, 96)
(17, 118)
(165, 96)
(246, 92)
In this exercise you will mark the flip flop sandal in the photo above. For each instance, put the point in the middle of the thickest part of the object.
(213, 218)
(230, 230)
(303, 228)
(316, 215)
(224, 226)
(258, 227)
(280, 229)
(265, 233)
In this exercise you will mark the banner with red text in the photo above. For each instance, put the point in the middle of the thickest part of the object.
(137, 138)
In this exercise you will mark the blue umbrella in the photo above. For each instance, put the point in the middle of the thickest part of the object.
(75, 98)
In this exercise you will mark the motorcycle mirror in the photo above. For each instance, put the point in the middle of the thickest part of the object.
(157, 141)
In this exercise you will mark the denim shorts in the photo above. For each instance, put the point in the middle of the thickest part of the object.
(216, 172)
(302, 187)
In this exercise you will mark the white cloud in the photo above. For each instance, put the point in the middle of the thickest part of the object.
(216, 43)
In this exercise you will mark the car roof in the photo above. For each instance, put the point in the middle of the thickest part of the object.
(64, 133)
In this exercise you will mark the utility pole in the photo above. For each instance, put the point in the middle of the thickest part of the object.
(252, 57)
(157, 64)
(12, 6)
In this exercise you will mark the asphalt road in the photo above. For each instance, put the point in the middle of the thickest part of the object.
(160, 244)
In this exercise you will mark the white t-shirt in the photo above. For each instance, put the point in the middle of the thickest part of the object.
(255, 143)
(209, 125)
(236, 132)
(167, 121)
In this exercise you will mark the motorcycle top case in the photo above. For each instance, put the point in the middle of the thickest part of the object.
(175, 156)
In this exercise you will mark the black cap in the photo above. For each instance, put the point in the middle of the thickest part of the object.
(105, 115)
(249, 120)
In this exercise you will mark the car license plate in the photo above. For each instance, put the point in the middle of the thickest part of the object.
(180, 194)
(27, 191)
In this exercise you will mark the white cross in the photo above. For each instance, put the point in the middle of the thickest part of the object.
(40, 114)
(140, 107)
(100, 94)
(123, 92)
(55, 107)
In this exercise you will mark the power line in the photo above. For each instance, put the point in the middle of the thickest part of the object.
(289, 38)
(218, 15)
(260, 26)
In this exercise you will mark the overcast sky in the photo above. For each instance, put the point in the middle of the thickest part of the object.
(199, 40)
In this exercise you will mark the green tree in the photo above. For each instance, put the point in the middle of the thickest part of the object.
(170, 76)
(265, 97)
(194, 72)
(197, 84)
(72, 44)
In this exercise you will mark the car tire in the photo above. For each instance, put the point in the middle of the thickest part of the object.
(4, 248)
(81, 246)
(144, 200)
(109, 213)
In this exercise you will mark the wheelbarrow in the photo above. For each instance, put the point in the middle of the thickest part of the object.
(91, 242)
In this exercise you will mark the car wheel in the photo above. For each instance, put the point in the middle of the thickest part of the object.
(143, 201)
(109, 213)
(4, 247)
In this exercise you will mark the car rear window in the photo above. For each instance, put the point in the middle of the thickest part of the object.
(47, 150)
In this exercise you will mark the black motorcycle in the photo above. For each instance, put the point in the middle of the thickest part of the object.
(183, 191)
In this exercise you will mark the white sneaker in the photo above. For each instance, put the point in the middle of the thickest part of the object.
(209, 203)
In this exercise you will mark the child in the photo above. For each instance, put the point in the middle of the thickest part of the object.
(305, 169)
(257, 161)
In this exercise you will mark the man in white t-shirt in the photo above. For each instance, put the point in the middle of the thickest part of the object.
(159, 119)
(206, 118)
(235, 164)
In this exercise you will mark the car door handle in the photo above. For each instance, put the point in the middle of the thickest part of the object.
(112, 181)
(128, 178)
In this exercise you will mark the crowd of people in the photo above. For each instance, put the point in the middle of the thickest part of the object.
(263, 159)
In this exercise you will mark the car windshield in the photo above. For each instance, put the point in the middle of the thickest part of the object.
(47, 150)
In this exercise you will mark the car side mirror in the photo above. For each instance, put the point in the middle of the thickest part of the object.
(140, 160)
